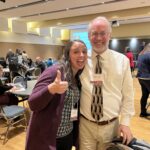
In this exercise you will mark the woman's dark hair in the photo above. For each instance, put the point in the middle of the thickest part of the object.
(128, 49)
(66, 65)
(18, 51)
(68, 47)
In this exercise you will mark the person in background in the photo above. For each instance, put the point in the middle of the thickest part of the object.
(30, 63)
(19, 56)
(6, 98)
(143, 76)
(25, 56)
(53, 101)
(116, 88)
(18, 52)
(142, 46)
(40, 64)
(49, 62)
(3, 62)
(129, 54)
(30, 67)
(9, 55)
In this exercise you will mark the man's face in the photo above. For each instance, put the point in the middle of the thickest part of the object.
(38, 60)
(99, 36)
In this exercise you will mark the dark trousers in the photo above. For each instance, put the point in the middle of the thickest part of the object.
(64, 143)
(145, 87)
(8, 99)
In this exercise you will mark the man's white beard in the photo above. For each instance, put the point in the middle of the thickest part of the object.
(100, 50)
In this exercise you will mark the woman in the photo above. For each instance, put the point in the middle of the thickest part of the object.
(6, 98)
(54, 88)
(144, 77)
(129, 54)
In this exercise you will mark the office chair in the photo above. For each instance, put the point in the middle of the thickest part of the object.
(13, 114)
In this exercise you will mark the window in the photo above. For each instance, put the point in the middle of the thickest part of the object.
(82, 35)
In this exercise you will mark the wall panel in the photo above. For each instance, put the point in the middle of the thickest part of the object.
(33, 50)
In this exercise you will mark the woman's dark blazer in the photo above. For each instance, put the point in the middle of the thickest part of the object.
(46, 113)
(4, 88)
(7, 98)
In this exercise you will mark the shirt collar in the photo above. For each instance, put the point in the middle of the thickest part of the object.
(103, 56)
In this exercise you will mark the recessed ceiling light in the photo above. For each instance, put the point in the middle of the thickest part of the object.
(14, 18)
(115, 16)
(59, 23)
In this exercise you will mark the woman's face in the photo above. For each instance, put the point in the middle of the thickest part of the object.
(78, 56)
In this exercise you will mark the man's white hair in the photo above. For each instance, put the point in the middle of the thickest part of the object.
(100, 18)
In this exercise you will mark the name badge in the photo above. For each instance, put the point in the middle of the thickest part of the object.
(96, 78)
(74, 114)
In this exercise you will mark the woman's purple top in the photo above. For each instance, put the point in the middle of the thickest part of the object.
(46, 113)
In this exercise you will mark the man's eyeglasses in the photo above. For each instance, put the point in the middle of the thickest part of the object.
(101, 34)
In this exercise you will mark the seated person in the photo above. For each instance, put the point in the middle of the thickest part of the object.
(31, 67)
(40, 64)
(3, 62)
(6, 98)
(49, 62)
(31, 63)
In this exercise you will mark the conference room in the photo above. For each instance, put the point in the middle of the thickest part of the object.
(42, 28)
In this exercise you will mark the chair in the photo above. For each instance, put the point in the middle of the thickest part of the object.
(13, 115)
(37, 72)
(21, 80)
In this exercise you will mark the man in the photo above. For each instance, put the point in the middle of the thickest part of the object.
(40, 64)
(9, 55)
(143, 44)
(144, 78)
(116, 88)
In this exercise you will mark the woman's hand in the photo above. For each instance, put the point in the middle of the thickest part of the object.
(13, 89)
(58, 86)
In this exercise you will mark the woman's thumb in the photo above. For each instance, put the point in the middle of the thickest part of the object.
(58, 77)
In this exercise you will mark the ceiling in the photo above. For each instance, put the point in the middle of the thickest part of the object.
(74, 13)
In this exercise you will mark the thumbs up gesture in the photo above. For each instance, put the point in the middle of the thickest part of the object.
(58, 86)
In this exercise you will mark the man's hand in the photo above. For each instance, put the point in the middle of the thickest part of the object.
(58, 86)
(125, 132)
